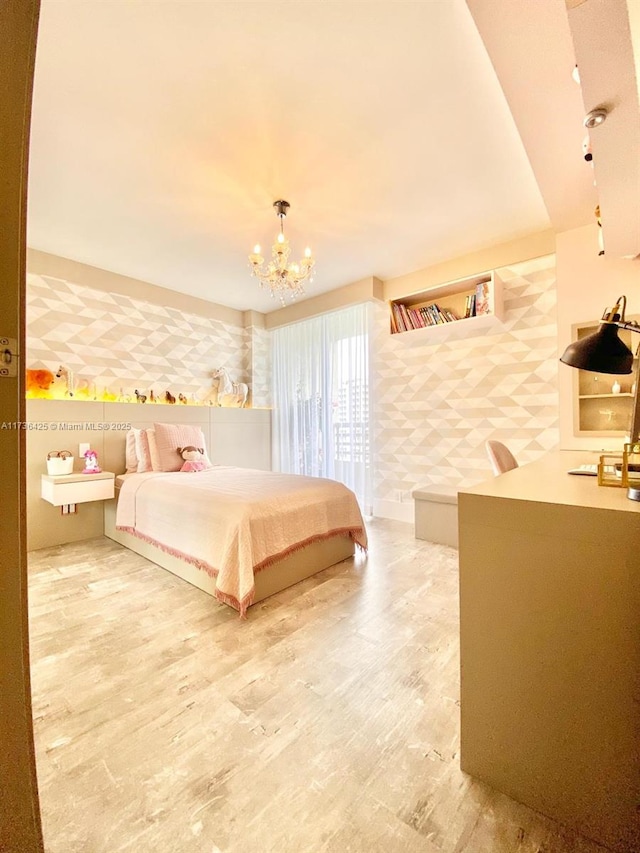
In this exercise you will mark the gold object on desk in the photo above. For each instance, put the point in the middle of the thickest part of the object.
(631, 469)
(611, 470)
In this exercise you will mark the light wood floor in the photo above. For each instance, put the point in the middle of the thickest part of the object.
(328, 721)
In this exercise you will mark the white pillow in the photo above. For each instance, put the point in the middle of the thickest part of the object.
(153, 450)
(131, 460)
(142, 451)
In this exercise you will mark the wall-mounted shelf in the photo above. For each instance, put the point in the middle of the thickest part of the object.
(68, 489)
(468, 305)
(603, 396)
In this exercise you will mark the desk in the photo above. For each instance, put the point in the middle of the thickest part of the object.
(550, 645)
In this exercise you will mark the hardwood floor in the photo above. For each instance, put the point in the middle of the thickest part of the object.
(328, 721)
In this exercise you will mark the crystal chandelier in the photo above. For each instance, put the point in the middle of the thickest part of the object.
(279, 276)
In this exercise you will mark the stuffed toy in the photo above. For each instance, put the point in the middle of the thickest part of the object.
(39, 383)
(193, 458)
(91, 462)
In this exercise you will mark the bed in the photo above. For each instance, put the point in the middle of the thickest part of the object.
(239, 534)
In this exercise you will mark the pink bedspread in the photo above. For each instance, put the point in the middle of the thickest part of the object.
(233, 522)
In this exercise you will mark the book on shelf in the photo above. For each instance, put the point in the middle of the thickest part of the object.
(470, 307)
(414, 316)
(482, 299)
(397, 317)
(426, 317)
(405, 317)
(392, 319)
(428, 314)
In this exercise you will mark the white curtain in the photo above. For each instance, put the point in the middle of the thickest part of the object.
(321, 399)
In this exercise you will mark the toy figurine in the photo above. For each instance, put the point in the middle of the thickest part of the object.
(193, 458)
(91, 463)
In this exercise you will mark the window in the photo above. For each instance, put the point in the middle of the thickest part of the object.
(321, 399)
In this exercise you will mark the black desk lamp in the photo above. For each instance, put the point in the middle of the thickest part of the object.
(604, 352)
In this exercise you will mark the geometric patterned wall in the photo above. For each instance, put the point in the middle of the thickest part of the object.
(119, 344)
(434, 406)
(259, 361)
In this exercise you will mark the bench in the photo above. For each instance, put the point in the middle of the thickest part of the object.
(436, 514)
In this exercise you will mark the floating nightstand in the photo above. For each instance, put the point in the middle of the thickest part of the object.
(69, 489)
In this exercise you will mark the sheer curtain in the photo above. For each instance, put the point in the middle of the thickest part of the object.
(321, 399)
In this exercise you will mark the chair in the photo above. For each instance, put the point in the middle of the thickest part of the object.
(501, 458)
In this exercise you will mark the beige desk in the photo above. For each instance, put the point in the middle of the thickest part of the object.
(550, 645)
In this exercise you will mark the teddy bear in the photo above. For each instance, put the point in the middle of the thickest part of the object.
(193, 458)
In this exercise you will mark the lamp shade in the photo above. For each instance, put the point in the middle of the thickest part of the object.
(601, 352)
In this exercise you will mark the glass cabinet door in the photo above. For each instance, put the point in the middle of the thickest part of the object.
(604, 400)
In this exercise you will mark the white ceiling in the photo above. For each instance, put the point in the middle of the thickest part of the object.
(162, 132)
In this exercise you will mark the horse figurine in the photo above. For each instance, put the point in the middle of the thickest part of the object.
(66, 376)
(230, 394)
(72, 388)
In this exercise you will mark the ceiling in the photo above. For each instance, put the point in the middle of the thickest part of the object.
(162, 132)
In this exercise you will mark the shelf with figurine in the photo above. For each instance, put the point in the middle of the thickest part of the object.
(63, 385)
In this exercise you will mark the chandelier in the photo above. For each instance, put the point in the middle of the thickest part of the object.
(279, 276)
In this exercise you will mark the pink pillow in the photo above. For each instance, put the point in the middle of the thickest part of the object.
(142, 451)
(169, 437)
(131, 460)
(153, 450)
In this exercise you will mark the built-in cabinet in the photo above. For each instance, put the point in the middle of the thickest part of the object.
(468, 305)
(603, 401)
(549, 646)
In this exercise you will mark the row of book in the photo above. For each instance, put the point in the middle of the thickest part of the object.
(405, 318)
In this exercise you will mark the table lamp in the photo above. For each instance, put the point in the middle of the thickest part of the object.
(604, 352)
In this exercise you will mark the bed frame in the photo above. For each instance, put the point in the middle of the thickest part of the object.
(276, 577)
